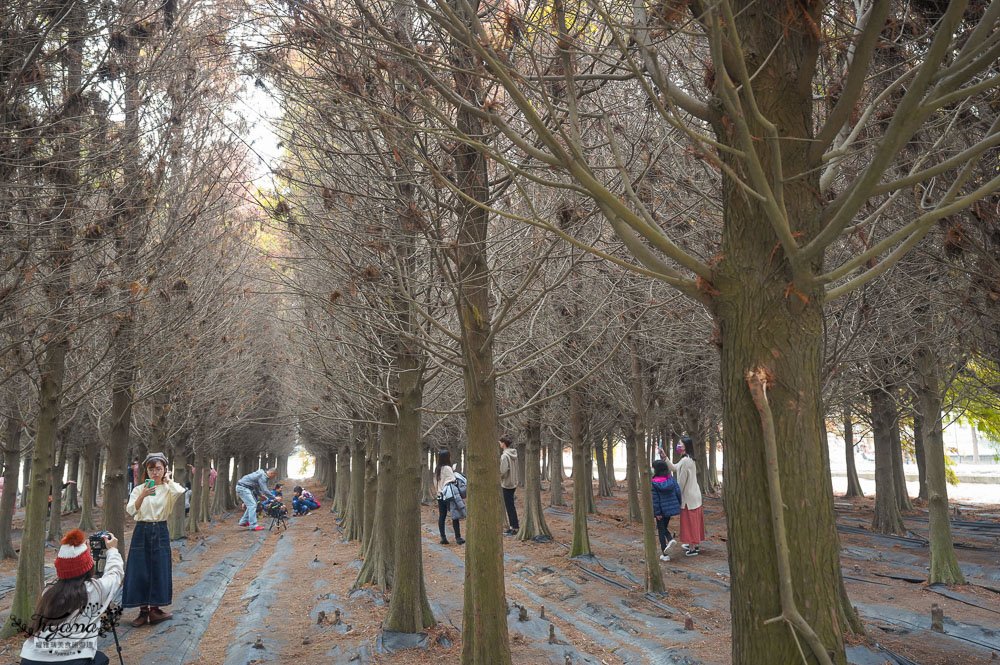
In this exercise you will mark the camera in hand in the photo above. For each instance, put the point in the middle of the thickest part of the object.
(98, 550)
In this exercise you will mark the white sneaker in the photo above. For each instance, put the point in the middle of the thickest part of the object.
(664, 557)
(669, 545)
(684, 546)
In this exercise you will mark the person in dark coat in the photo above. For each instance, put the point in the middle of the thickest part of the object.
(666, 504)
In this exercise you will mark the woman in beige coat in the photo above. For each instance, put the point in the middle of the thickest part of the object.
(692, 517)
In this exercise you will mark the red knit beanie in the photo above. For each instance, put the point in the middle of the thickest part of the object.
(74, 557)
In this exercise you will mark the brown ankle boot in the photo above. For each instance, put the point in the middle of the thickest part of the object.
(141, 620)
(156, 615)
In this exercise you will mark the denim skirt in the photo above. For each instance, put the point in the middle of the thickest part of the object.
(148, 574)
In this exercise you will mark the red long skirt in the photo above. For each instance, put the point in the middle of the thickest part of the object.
(692, 526)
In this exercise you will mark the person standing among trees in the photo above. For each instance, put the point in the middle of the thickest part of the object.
(666, 504)
(149, 573)
(248, 487)
(692, 516)
(508, 482)
(443, 476)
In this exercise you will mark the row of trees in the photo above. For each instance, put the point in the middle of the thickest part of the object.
(597, 221)
(133, 299)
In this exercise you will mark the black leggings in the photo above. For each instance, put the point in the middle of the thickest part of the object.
(662, 532)
(442, 513)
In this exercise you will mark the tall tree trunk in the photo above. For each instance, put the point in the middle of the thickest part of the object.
(763, 323)
(222, 488)
(713, 444)
(11, 467)
(371, 484)
(379, 561)
(898, 473)
(603, 484)
(191, 515)
(588, 444)
(650, 547)
(545, 462)
(484, 634)
(975, 444)
(343, 481)
(128, 232)
(31, 561)
(581, 483)
(919, 452)
(853, 482)
(330, 473)
(177, 520)
(71, 504)
(88, 487)
(54, 534)
(944, 565)
(533, 522)
(632, 474)
(555, 473)
(409, 609)
(354, 521)
(26, 475)
(887, 517)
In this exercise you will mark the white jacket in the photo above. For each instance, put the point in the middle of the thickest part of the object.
(686, 472)
(447, 476)
(76, 636)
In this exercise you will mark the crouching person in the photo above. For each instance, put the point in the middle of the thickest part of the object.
(67, 619)
(303, 501)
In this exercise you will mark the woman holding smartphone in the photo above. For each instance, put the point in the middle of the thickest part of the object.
(148, 575)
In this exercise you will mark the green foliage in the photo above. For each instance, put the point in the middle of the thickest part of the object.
(976, 394)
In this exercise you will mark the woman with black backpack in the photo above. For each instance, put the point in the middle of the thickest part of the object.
(444, 475)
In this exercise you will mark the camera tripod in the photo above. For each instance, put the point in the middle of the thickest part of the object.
(112, 615)
(109, 621)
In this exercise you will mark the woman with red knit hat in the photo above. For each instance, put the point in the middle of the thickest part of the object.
(67, 619)
(149, 574)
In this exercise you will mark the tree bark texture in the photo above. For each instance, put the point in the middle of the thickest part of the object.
(853, 482)
(177, 520)
(371, 484)
(555, 473)
(70, 503)
(581, 483)
(887, 516)
(898, 472)
(632, 475)
(88, 485)
(484, 634)
(713, 469)
(763, 323)
(605, 465)
(12, 465)
(54, 534)
(52, 371)
(330, 473)
(944, 565)
(919, 453)
(650, 545)
(379, 560)
(409, 609)
(533, 522)
(354, 520)
(343, 481)
(26, 475)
